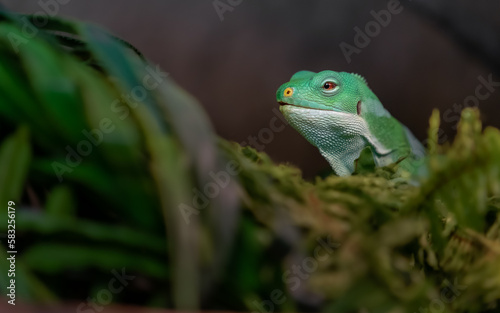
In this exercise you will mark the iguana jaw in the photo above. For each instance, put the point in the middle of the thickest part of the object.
(309, 106)
(288, 108)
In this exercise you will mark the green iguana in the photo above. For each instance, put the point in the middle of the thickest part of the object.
(339, 114)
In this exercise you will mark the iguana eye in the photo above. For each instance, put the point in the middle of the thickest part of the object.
(329, 85)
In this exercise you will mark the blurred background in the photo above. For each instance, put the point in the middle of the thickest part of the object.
(158, 201)
(430, 55)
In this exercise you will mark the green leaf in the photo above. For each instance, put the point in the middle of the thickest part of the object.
(15, 158)
(54, 258)
(43, 224)
(28, 286)
(60, 203)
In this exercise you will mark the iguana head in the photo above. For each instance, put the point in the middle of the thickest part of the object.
(326, 90)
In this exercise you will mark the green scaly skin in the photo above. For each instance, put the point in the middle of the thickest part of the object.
(339, 114)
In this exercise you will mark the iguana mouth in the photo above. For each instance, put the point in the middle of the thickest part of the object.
(308, 108)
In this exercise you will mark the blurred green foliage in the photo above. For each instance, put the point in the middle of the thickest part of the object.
(110, 170)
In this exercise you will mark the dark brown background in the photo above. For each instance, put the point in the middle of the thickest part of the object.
(234, 66)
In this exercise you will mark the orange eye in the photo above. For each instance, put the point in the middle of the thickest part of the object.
(288, 92)
(329, 86)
